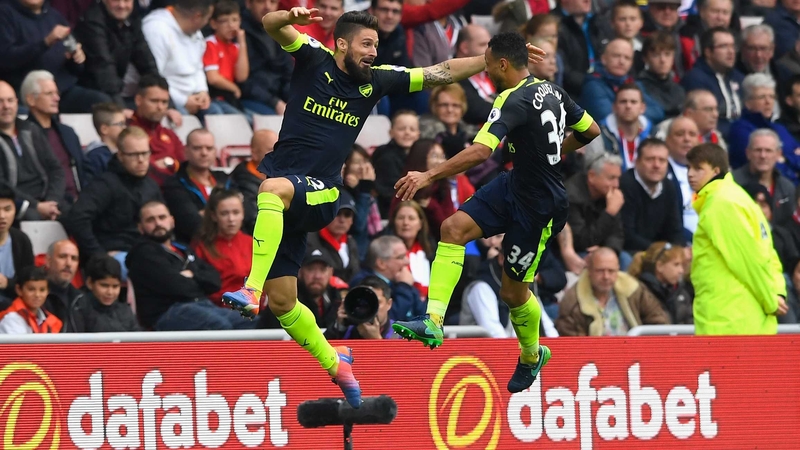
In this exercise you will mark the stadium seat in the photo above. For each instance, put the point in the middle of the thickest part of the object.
(232, 135)
(375, 132)
(190, 123)
(42, 233)
(83, 125)
(267, 122)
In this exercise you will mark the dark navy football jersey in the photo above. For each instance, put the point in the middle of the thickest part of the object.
(532, 116)
(326, 111)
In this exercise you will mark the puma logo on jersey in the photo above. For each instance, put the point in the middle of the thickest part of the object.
(328, 76)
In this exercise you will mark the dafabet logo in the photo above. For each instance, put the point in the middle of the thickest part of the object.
(461, 381)
(30, 396)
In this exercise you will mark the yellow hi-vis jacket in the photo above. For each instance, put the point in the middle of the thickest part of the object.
(736, 272)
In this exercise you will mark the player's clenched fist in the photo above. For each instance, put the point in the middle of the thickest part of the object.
(303, 16)
(408, 186)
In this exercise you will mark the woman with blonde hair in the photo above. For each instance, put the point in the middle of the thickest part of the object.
(661, 270)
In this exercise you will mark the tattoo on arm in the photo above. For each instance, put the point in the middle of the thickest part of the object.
(436, 75)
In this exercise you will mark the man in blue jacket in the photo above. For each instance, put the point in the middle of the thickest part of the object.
(40, 93)
(599, 88)
(715, 72)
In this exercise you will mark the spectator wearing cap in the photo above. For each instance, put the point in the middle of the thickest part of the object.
(27, 163)
(248, 179)
(221, 242)
(16, 251)
(103, 220)
(187, 192)
(380, 327)
(35, 36)
(387, 259)
(317, 288)
(763, 152)
(40, 93)
(339, 247)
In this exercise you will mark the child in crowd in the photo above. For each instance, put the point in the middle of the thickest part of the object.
(225, 60)
(26, 315)
(627, 21)
(109, 121)
(99, 309)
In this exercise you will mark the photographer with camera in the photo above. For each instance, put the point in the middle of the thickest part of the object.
(364, 314)
(317, 288)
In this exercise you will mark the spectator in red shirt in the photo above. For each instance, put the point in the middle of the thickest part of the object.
(225, 60)
(166, 148)
(330, 11)
(221, 241)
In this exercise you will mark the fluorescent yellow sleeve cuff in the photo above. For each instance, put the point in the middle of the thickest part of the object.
(584, 123)
(487, 139)
(416, 76)
(295, 46)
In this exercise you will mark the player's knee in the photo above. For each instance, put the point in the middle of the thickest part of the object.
(452, 232)
(280, 305)
(281, 187)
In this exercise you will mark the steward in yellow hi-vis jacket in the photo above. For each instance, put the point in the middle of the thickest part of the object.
(736, 273)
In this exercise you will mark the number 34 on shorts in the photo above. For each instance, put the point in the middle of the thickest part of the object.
(519, 263)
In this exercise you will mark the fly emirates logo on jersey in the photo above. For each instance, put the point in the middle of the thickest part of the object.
(333, 110)
(158, 421)
(611, 412)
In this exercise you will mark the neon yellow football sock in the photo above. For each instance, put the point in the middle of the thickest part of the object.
(445, 273)
(267, 237)
(301, 325)
(525, 320)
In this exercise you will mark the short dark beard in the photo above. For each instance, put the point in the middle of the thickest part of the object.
(160, 239)
(355, 71)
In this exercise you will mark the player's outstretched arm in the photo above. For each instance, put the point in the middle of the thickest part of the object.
(468, 158)
(278, 24)
(578, 139)
(457, 69)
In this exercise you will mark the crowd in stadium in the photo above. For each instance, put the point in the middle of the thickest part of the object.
(158, 229)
